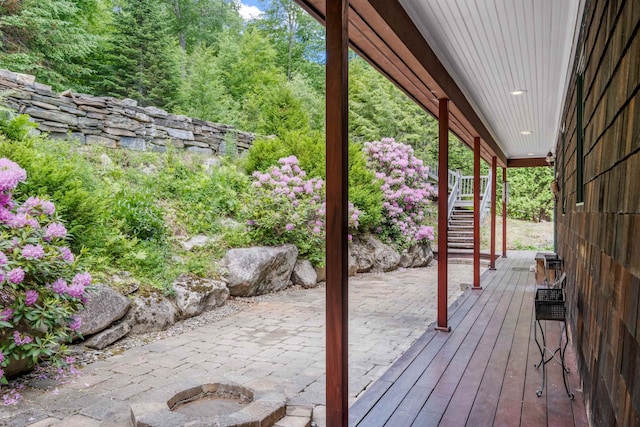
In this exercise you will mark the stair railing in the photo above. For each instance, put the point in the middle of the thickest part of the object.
(454, 195)
(486, 197)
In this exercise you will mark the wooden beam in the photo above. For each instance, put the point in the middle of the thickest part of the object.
(530, 162)
(337, 340)
(443, 212)
(505, 195)
(494, 180)
(476, 213)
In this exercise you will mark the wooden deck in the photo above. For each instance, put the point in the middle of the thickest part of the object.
(481, 373)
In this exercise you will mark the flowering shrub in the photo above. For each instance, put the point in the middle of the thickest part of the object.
(41, 285)
(406, 191)
(286, 207)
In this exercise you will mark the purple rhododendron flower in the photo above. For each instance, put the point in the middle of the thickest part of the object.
(21, 339)
(32, 251)
(66, 254)
(6, 314)
(289, 227)
(55, 229)
(3, 258)
(76, 323)
(36, 204)
(83, 279)
(1, 359)
(10, 175)
(16, 276)
(75, 290)
(31, 297)
(59, 286)
(5, 199)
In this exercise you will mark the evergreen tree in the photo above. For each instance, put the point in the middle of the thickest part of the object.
(202, 21)
(297, 37)
(48, 38)
(203, 93)
(140, 59)
(378, 109)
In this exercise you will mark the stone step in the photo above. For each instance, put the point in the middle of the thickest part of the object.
(293, 421)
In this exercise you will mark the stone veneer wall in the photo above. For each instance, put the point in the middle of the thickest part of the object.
(599, 239)
(114, 123)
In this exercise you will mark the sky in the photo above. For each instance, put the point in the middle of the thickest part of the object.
(250, 9)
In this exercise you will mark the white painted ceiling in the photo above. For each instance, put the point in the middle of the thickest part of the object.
(494, 47)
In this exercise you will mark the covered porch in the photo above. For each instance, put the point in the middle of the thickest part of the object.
(482, 372)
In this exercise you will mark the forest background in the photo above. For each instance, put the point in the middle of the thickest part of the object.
(201, 58)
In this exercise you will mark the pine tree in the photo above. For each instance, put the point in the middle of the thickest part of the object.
(140, 60)
(48, 38)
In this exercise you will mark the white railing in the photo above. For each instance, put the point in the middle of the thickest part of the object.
(486, 197)
(461, 188)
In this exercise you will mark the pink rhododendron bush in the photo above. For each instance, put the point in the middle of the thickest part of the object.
(41, 284)
(406, 191)
(285, 206)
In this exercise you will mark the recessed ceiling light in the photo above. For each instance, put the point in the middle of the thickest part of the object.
(518, 92)
(526, 132)
(529, 154)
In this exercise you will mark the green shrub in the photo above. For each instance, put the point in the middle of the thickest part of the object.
(140, 216)
(58, 172)
(364, 189)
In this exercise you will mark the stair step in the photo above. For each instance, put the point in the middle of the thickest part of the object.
(459, 238)
(460, 245)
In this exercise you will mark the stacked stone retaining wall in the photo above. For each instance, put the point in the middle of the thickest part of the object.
(115, 123)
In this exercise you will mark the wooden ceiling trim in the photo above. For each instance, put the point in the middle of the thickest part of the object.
(387, 60)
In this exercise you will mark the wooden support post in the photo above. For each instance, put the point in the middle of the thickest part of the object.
(337, 213)
(443, 214)
(494, 179)
(476, 213)
(505, 195)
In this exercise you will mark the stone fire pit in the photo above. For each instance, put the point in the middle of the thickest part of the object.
(211, 404)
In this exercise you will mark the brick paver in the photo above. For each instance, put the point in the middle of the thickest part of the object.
(279, 341)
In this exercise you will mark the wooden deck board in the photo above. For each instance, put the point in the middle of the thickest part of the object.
(481, 373)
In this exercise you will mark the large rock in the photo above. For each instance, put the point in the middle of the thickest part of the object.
(150, 313)
(108, 336)
(304, 274)
(104, 306)
(372, 255)
(259, 270)
(418, 255)
(195, 295)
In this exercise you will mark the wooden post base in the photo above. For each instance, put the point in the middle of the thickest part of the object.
(443, 328)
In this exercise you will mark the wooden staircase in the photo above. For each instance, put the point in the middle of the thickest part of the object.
(460, 229)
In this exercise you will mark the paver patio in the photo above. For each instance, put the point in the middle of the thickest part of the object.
(278, 342)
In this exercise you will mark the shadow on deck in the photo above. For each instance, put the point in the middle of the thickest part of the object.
(481, 373)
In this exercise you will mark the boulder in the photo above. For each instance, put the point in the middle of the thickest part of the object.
(418, 255)
(151, 313)
(321, 274)
(304, 274)
(108, 336)
(259, 270)
(195, 295)
(372, 255)
(104, 306)
(353, 266)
